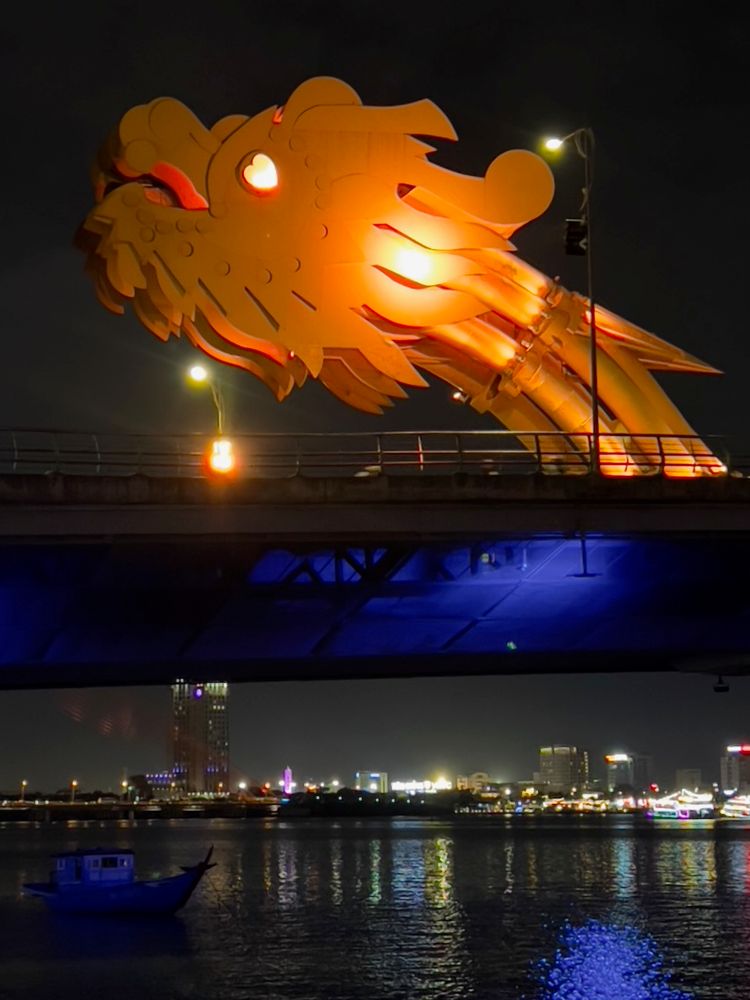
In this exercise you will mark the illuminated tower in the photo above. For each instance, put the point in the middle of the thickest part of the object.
(200, 734)
(288, 783)
(563, 768)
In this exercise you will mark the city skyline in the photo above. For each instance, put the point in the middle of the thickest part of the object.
(110, 731)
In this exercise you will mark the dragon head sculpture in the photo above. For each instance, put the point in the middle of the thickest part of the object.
(318, 238)
(305, 235)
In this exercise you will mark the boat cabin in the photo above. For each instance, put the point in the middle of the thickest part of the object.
(97, 866)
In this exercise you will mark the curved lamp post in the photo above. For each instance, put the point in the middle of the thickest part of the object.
(583, 140)
(199, 375)
(220, 459)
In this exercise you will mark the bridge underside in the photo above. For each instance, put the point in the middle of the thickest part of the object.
(148, 611)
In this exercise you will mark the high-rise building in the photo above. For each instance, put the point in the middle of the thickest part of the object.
(619, 770)
(563, 768)
(630, 769)
(643, 771)
(735, 768)
(200, 736)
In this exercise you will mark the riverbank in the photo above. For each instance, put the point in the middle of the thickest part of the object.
(61, 812)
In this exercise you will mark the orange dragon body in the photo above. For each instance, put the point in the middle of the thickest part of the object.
(318, 239)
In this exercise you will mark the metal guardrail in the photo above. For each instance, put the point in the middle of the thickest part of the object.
(278, 456)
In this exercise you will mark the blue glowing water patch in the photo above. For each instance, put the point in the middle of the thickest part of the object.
(599, 961)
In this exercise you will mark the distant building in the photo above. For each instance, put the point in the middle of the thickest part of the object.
(371, 781)
(643, 771)
(735, 769)
(476, 782)
(619, 770)
(200, 730)
(631, 769)
(563, 768)
(689, 778)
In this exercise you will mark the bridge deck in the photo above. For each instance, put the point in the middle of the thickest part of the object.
(364, 509)
(137, 579)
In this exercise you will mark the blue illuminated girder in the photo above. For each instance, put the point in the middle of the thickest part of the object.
(140, 612)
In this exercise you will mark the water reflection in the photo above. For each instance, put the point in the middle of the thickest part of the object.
(607, 962)
(438, 871)
(359, 910)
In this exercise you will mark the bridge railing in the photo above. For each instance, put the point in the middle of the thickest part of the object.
(392, 453)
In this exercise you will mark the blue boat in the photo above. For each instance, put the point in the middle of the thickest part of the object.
(103, 882)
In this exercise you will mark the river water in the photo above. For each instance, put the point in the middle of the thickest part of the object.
(370, 909)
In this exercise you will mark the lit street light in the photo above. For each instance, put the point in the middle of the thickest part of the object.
(199, 375)
(578, 242)
(220, 458)
(24, 783)
(73, 786)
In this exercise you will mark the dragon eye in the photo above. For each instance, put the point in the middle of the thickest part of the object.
(258, 172)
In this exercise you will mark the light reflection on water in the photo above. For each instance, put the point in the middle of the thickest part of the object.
(363, 910)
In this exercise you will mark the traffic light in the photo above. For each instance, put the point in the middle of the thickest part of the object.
(576, 237)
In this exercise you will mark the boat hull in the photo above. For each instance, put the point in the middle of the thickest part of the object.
(156, 897)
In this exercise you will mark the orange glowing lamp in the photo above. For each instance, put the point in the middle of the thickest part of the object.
(221, 458)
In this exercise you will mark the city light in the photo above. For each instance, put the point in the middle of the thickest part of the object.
(422, 786)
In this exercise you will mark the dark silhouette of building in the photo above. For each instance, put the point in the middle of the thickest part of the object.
(200, 737)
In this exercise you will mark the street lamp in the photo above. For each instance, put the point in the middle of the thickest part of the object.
(200, 376)
(583, 140)
(73, 786)
(220, 458)
(124, 787)
(24, 783)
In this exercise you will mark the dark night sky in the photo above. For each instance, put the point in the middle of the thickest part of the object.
(667, 97)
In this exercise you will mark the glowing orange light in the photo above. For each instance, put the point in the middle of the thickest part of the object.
(260, 173)
(412, 264)
(221, 457)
